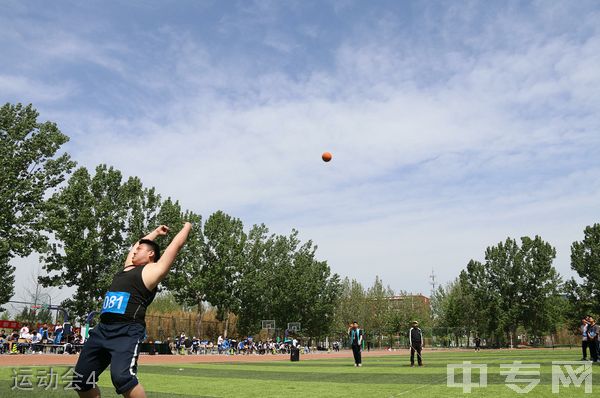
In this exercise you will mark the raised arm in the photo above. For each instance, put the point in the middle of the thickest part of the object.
(155, 272)
(161, 230)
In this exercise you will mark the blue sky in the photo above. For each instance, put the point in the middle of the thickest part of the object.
(452, 124)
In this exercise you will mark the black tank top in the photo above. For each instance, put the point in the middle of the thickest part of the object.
(127, 298)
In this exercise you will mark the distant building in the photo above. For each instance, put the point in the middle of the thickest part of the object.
(415, 300)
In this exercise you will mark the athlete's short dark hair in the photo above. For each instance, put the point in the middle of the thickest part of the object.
(154, 247)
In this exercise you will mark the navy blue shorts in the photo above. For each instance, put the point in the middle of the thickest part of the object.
(116, 345)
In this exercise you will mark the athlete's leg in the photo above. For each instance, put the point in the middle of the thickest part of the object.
(92, 361)
(135, 392)
(125, 352)
(93, 393)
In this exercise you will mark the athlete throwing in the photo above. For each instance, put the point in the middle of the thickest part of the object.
(115, 340)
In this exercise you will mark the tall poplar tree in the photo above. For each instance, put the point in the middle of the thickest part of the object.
(30, 167)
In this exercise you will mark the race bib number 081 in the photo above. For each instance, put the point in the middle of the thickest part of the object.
(115, 302)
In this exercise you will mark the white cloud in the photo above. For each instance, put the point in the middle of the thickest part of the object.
(30, 90)
(438, 151)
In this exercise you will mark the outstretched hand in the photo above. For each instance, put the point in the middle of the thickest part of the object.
(162, 230)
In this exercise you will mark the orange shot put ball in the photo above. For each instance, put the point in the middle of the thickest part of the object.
(326, 156)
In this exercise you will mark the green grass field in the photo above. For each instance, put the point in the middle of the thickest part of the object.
(385, 376)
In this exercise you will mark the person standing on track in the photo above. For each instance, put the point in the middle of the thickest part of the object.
(584, 337)
(115, 340)
(593, 330)
(415, 339)
(356, 338)
(477, 343)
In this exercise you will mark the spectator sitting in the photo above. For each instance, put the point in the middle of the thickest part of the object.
(13, 340)
(36, 342)
(3, 342)
(24, 331)
(195, 345)
(44, 332)
(172, 345)
(58, 334)
(77, 342)
(187, 344)
(261, 348)
(180, 343)
(220, 344)
(225, 346)
(69, 346)
(24, 340)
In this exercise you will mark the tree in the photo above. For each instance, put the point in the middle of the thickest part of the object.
(313, 291)
(186, 278)
(352, 304)
(585, 260)
(504, 270)
(223, 253)
(279, 296)
(88, 220)
(382, 314)
(540, 295)
(29, 168)
(256, 282)
(143, 205)
(281, 279)
(40, 297)
(517, 286)
(454, 310)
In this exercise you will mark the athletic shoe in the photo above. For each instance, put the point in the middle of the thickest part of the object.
(360, 364)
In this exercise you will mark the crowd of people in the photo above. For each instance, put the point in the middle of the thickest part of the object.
(53, 339)
(39, 340)
(223, 346)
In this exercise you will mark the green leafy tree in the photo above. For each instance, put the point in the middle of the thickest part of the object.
(439, 303)
(256, 282)
(314, 291)
(223, 253)
(88, 220)
(381, 320)
(143, 205)
(279, 298)
(29, 168)
(454, 312)
(352, 305)
(505, 273)
(585, 260)
(281, 279)
(541, 292)
(517, 286)
(407, 307)
(186, 279)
